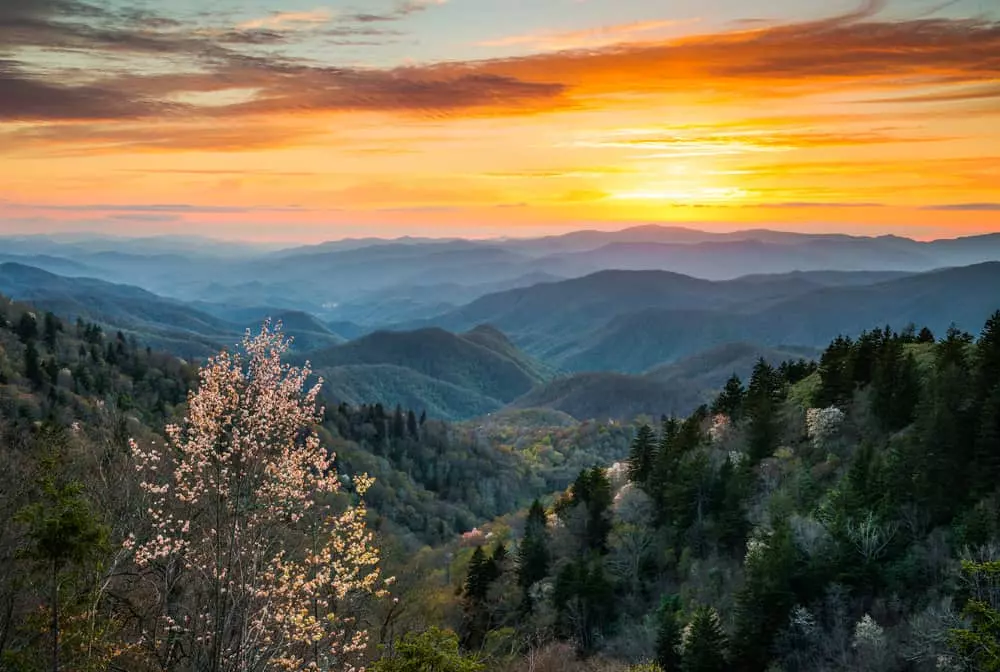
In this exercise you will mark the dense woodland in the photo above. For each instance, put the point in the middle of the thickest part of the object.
(828, 516)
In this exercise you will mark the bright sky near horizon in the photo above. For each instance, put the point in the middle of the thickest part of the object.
(307, 120)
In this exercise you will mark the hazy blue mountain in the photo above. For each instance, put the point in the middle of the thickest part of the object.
(399, 367)
(407, 301)
(157, 321)
(629, 321)
(711, 368)
(381, 282)
(73, 245)
(154, 320)
(676, 388)
(601, 395)
(390, 385)
(46, 262)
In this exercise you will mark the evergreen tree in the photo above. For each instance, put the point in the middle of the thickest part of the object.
(941, 454)
(836, 380)
(33, 365)
(730, 400)
(585, 601)
(864, 355)
(763, 396)
(668, 640)
(477, 575)
(985, 467)
(533, 552)
(642, 456)
(411, 425)
(398, 424)
(766, 599)
(63, 531)
(895, 386)
(592, 490)
(481, 573)
(732, 488)
(925, 336)
(666, 469)
(27, 328)
(52, 328)
(497, 562)
(705, 644)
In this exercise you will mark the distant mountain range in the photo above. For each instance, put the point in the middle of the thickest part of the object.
(451, 375)
(159, 322)
(375, 282)
(630, 321)
(590, 323)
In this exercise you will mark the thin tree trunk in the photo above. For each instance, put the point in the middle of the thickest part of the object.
(55, 617)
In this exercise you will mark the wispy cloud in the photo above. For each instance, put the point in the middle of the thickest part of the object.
(853, 52)
(173, 208)
(818, 205)
(734, 139)
(401, 10)
(966, 207)
(589, 38)
(289, 20)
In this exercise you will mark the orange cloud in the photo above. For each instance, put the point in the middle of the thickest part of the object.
(852, 53)
(811, 119)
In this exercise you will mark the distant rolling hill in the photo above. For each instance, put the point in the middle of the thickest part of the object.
(391, 385)
(380, 283)
(456, 375)
(156, 321)
(630, 321)
(675, 388)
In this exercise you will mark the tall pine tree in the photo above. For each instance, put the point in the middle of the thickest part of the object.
(642, 456)
(533, 552)
(705, 644)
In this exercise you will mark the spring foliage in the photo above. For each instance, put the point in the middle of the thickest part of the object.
(256, 566)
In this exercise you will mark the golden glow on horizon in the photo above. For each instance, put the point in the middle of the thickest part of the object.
(857, 124)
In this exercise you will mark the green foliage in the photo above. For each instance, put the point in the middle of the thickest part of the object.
(978, 644)
(643, 455)
(704, 643)
(765, 392)
(767, 598)
(585, 601)
(62, 528)
(434, 650)
(668, 640)
(730, 400)
(533, 551)
(62, 532)
(895, 386)
(592, 492)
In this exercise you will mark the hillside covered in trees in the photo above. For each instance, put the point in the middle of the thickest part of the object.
(839, 514)
(839, 517)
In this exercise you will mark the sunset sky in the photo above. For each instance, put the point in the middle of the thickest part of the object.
(305, 120)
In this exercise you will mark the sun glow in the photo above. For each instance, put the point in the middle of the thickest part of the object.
(687, 196)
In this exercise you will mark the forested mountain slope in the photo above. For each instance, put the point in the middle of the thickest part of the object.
(71, 398)
(631, 321)
(451, 375)
(847, 520)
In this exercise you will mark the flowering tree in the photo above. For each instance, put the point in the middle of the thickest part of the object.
(253, 564)
(823, 423)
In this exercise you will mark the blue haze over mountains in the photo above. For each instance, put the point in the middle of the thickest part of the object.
(661, 315)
